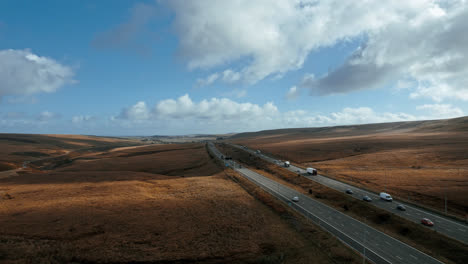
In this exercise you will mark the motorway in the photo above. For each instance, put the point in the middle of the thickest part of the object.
(448, 227)
(373, 244)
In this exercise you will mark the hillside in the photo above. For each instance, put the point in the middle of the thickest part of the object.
(421, 161)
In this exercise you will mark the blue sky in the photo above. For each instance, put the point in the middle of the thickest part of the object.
(175, 67)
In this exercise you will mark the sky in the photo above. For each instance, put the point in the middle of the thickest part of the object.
(121, 68)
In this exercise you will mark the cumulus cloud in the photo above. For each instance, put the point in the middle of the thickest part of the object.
(139, 111)
(422, 41)
(274, 37)
(428, 48)
(221, 115)
(441, 110)
(24, 73)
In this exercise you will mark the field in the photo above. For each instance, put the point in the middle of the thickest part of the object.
(157, 203)
(423, 162)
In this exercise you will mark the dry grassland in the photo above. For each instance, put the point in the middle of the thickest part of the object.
(421, 166)
(152, 204)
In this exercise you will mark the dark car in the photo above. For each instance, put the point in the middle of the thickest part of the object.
(349, 191)
(367, 198)
(401, 207)
(426, 222)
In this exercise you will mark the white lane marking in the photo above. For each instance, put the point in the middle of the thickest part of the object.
(399, 257)
(413, 256)
(463, 230)
(387, 243)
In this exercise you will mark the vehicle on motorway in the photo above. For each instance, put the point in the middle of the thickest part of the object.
(367, 198)
(401, 207)
(287, 164)
(258, 151)
(349, 191)
(311, 171)
(426, 222)
(385, 196)
(295, 199)
(228, 158)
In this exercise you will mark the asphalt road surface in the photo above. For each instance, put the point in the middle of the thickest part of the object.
(375, 245)
(443, 225)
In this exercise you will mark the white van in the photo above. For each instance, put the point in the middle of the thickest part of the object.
(386, 197)
(287, 164)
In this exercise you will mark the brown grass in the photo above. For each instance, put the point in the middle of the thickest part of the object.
(17, 148)
(137, 205)
(420, 166)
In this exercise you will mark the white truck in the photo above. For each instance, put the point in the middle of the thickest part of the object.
(287, 164)
(311, 171)
(386, 197)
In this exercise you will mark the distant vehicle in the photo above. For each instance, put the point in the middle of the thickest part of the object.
(349, 191)
(367, 198)
(386, 197)
(427, 222)
(295, 199)
(401, 207)
(228, 158)
(287, 164)
(311, 171)
(258, 151)
(298, 171)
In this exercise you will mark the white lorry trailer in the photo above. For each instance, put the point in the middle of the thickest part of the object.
(311, 171)
(287, 164)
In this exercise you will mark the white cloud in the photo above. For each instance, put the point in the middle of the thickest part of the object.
(208, 80)
(82, 119)
(221, 115)
(422, 41)
(139, 111)
(25, 73)
(46, 116)
(427, 50)
(441, 110)
(231, 76)
(275, 37)
(293, 93)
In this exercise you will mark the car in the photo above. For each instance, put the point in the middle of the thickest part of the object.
(367, 198)
(401, 207)
(349, 191)
(426, 222)
(295, 199)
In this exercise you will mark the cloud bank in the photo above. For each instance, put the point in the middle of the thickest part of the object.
(222, 115)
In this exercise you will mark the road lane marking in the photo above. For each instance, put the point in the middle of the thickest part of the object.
(413, 256)
(399, 257)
